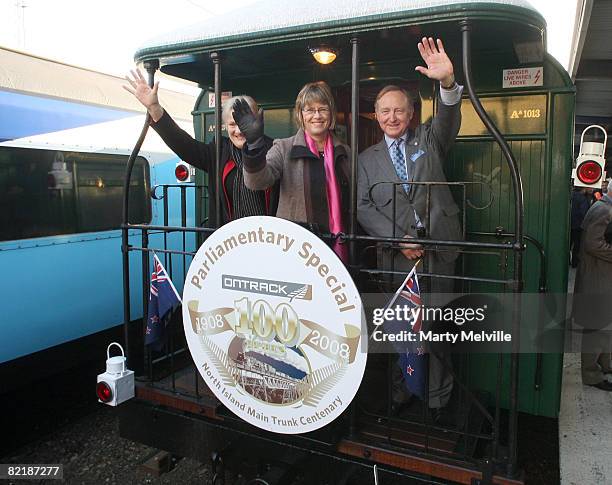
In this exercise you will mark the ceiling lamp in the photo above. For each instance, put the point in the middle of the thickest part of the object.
(324, 54)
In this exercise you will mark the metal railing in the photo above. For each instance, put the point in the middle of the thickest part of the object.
(480, 413)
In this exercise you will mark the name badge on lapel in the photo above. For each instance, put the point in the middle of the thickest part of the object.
(416, 155)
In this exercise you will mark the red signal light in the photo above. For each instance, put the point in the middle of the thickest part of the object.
(181, 172)
(589, 172)
(104, 392)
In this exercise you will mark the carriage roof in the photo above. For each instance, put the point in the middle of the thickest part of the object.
(271, 34)
(271, 19)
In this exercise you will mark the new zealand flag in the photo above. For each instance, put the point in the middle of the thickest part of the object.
(163, 298)
(412, 357)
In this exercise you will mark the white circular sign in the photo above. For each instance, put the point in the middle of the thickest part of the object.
(275, 324)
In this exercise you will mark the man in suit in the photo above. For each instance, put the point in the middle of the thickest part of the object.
(581, 201)
(592, 292)
(405, 155)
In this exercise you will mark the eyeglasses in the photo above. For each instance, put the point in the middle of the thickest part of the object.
(313, 111)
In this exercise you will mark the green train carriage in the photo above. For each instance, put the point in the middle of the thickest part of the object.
(265, 51)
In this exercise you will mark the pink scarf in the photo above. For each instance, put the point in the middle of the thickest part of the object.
(333, 193)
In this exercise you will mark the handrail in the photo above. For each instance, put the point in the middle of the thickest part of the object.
(519, 214)
(151, 67)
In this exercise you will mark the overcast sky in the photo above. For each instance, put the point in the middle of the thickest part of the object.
(104, 35)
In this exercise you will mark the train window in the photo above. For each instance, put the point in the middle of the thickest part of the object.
(49, 192)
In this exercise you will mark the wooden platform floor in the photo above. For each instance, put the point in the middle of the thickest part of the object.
(403, 443)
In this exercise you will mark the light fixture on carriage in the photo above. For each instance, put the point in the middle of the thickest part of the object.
(324, 54)
(590, 168)
(116, 385)
(184, 172)
(104, 392)
(589, 172)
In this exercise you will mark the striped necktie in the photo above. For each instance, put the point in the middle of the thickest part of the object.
(399, 162)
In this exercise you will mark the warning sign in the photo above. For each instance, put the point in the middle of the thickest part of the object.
(224, 95)
(523, 77)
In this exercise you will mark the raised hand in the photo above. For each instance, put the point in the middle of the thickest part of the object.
(251, 125)
(439, 66)
(145, 94)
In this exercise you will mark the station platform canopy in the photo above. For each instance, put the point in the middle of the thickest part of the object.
(591, 67)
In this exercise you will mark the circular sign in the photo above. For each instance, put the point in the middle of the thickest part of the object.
(275, 324)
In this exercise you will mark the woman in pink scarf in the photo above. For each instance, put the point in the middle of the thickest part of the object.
(312, 165)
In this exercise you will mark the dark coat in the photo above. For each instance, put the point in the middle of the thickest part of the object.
(593, 288)
(202, 155)
(580, 205)
(303, 193)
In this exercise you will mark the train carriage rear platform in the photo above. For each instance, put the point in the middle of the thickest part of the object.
(253, 379)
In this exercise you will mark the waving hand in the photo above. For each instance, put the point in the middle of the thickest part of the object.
(250, 124)
(439, 66)
(143, 93)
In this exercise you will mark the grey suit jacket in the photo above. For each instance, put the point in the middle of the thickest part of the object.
(593, 283)
(303, 194)
(426, 149)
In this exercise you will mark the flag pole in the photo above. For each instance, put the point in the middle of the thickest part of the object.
(399, 290)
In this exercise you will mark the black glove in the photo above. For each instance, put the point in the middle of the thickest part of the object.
(251, 125)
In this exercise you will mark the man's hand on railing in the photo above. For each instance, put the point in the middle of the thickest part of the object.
(411, 251)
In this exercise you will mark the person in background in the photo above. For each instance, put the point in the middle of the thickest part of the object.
(595, 195)
(312, 165)
(592, 293)
(598, 194)
(580, 206)
(237, 199)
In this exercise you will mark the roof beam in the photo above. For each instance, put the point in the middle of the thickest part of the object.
(594, 70)
(582, 18)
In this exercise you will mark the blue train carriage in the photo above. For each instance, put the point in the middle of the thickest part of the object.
(511, 163)
(65, 136)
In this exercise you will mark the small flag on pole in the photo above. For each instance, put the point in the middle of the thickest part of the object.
(163, 298)
(412, 355)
